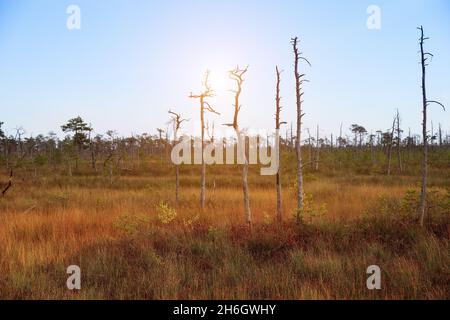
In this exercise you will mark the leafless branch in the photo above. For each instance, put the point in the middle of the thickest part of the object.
(437, 102)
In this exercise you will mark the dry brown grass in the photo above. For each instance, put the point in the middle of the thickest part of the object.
(113, 233)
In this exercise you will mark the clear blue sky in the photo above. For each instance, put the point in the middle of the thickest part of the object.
(132, 60)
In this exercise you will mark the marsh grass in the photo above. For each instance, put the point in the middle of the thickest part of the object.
(132, 242)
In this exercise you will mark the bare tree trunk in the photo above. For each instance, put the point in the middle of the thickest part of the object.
(204, 106)
(210, 132)
(277, 128)
(203, 174)
(248, 213)
(424, 57)
(300, 115)
(176, 126)
(93, 156)
(160, 144)
(237, 75)
(423, 193)
(391, 141)
(317, 149)
(399, 141)
(432, 136)
(176, 118)
(310, 149)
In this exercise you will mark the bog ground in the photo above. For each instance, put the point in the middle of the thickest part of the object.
(131, 240)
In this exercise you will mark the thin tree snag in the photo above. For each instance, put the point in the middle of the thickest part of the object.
(298, 83)
(9, 184)
(317, 149)
(277, 128)
(210, 133)
(423, 61)
(204, 106)
(340, 145)
(399, 142)
(311, 162)
(391, 141)
(92, 151)
(177, 121)
(238, 76)
(423, 193)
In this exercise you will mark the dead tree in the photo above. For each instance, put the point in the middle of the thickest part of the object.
(92, 151)
(340, 145)
(204, 106)
(399, 142)
(300, 114)
(238, 76)
(432, 136)
(18, 137)
(317, 150)
(9, 184)
(210, 133)
(310, 148)
(424, 56)
(177, 121)
(277, 128)
(391, 141)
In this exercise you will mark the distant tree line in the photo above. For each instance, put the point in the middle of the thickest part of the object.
(101, 152)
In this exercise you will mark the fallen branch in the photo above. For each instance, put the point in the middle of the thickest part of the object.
(29, 209)
(8, 185)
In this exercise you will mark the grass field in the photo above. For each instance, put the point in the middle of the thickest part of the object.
(130, 245)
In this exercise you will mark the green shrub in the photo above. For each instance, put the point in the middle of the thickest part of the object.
(166, 214)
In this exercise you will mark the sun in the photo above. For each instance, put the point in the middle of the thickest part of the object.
(219, 67)
(219, 80)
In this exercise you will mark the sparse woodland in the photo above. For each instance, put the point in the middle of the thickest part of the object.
(141, 227)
